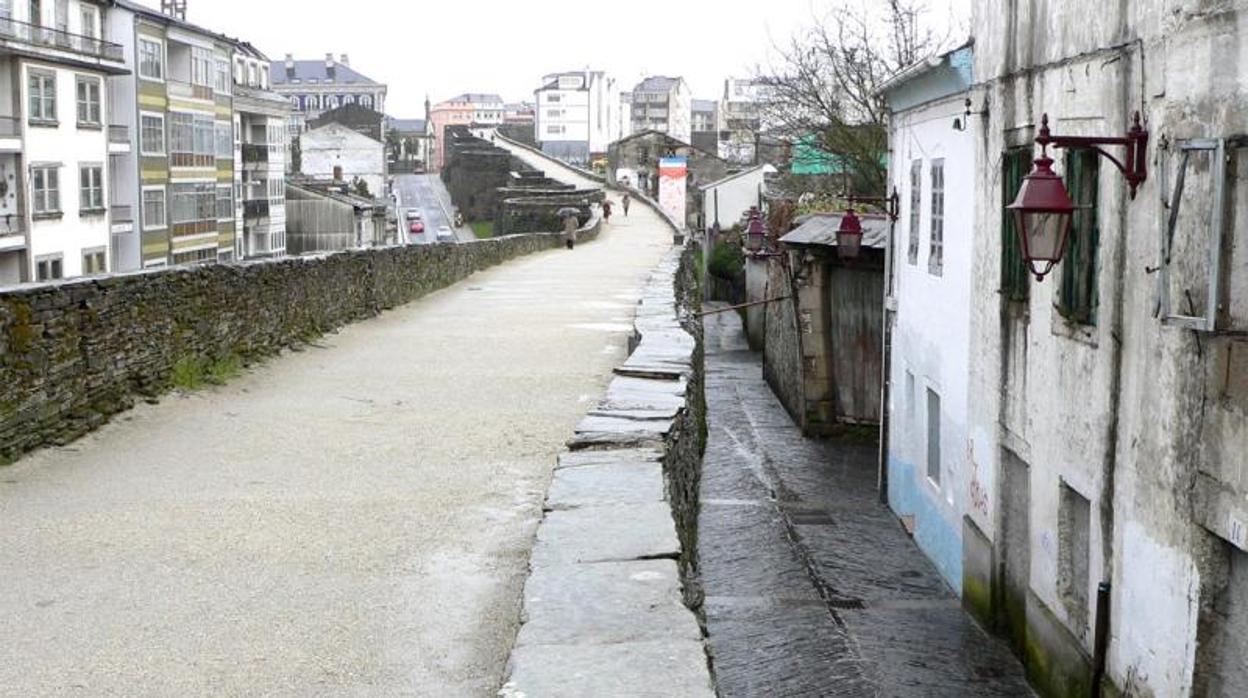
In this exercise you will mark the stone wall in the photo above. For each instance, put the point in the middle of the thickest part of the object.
(74, 353)
(782, 352)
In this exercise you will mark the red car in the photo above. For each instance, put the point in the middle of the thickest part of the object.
(417, 227)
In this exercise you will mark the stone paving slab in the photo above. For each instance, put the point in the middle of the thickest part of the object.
(623, 482)
(597, 431)
(579, 459)
(606, 603)
(607, 533)
(621, 670)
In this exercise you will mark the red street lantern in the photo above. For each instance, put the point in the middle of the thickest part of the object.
(756, 233)
(1042, 216)
(1043, 210)
(849, 235)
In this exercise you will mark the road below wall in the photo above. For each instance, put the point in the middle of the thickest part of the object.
(353, 518)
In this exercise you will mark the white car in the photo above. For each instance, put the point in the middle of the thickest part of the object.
(445, 234)
(414, 214)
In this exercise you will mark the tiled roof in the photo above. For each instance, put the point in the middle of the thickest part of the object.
(657, 83)
(477, 98)
(306, 71)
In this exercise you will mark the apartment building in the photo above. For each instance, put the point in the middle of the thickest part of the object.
(577, 114)
(313, 87)
(663, 104)
(468, 109)
(55, 139)
(261, 152)
(739, 119)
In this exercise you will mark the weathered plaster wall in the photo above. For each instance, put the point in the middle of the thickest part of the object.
(1128, 412)
(74, 353)
(931, 337)
(782, 366)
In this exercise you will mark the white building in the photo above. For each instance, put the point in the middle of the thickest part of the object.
(55, 136)
(261, 150)
(336, 152)
(577, 114)
(725, 202)
(740, 117)
(663, 104)
(933, 167)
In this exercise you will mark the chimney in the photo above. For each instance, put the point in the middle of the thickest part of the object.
(345, 60)
(174, 8)
(290, 61)
(329, 66)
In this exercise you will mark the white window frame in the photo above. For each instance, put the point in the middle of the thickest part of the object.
(86, 11)
(164, 135)
(89, 80)
(41, 73)
(164, 197)
(58, 257)
(89, 252)
(34, 192)
(160, 54)
(93, 189)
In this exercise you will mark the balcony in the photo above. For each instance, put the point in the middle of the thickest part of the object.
(255, 154)
(118, 140)
(47, 37)
(256, 208)
(188, 91)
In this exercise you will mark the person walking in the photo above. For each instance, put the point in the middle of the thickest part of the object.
(624, 202)
(606, 210)
(570, 225)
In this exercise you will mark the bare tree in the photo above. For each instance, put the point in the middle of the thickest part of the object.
(821, 89)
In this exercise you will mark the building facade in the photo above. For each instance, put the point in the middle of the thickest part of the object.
(739, 120)
(56, 140)
(1109, 403)
(261, 153)
(338, 153)
(663, 104)
(313, 87)
(576, 114)
(468, 109)
(179, 179)
(928, 313)
(704, 134)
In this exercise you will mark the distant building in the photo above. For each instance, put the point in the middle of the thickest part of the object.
(740, 117)
(261, 153)
(337, 153)
(519, 113)
(663, 104)
(467, 109)
(356, 117)
(326, 216)
(704, 122)
(577, 114)
(634, 162)
(412, 139)
(314, 87)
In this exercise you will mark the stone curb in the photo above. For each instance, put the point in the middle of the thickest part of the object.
(604, 610)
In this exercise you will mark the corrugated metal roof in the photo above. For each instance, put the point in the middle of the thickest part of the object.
(820, 229)
(306, 71)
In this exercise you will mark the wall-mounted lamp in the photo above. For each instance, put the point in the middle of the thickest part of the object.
(1043, 209)
(849, 234)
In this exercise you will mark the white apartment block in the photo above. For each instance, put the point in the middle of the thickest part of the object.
(261, 152)
(577, 114)
(663, 104)
(55, 139)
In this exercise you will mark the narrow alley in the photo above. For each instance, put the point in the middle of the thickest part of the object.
(812, 587)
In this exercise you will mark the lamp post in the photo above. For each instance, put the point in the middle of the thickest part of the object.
(755, 232)
(1043, 209)
(849, 234)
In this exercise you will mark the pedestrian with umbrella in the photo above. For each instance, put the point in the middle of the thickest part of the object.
(571, 223)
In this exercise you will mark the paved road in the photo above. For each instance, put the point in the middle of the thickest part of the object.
(352, 519)
(812, 586)
(429, 194)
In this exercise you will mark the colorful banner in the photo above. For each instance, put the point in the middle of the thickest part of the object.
(673, 172)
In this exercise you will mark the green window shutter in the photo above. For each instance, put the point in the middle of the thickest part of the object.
(1079, 265)
(1014, 281)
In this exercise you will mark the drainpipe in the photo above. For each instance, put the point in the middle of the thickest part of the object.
(1101, 640)
(886, 367)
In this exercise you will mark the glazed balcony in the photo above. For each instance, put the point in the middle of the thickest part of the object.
(24, 34)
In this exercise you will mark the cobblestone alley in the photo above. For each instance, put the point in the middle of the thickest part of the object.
(812, 586)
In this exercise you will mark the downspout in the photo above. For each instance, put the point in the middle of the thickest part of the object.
(886, 367)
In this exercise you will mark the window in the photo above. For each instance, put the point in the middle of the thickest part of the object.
(151, 59)
(202, 70)
(42, 96)
(225, 202)
(181, 133)
(933, 437)
(1015, 164)
(1074, 552)
(191, 203)
(251, 74)
(208, 254)
(1079, 266)
(151, 134)
(222, 85)
(94, 261)
(154, 209)
(49, 267)
(331, 103)
(90, 22)
(554, 113)
(88, 101)
(225, 140)
(936, 256)
(91, 188)
(240, 69)
(45, 191)
(555, 129)
(367, 101)
(916, 202)
(277, 189)
(553, 98)
(264, 77)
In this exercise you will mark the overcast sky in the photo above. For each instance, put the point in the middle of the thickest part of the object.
(505, 46)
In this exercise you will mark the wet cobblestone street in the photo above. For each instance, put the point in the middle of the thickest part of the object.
(812, 586)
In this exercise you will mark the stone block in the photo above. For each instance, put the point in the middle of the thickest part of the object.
(622, 482)
(662, 668)
(606, 533)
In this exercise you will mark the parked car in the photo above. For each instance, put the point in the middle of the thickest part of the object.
(416, 227)
(445, 234)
